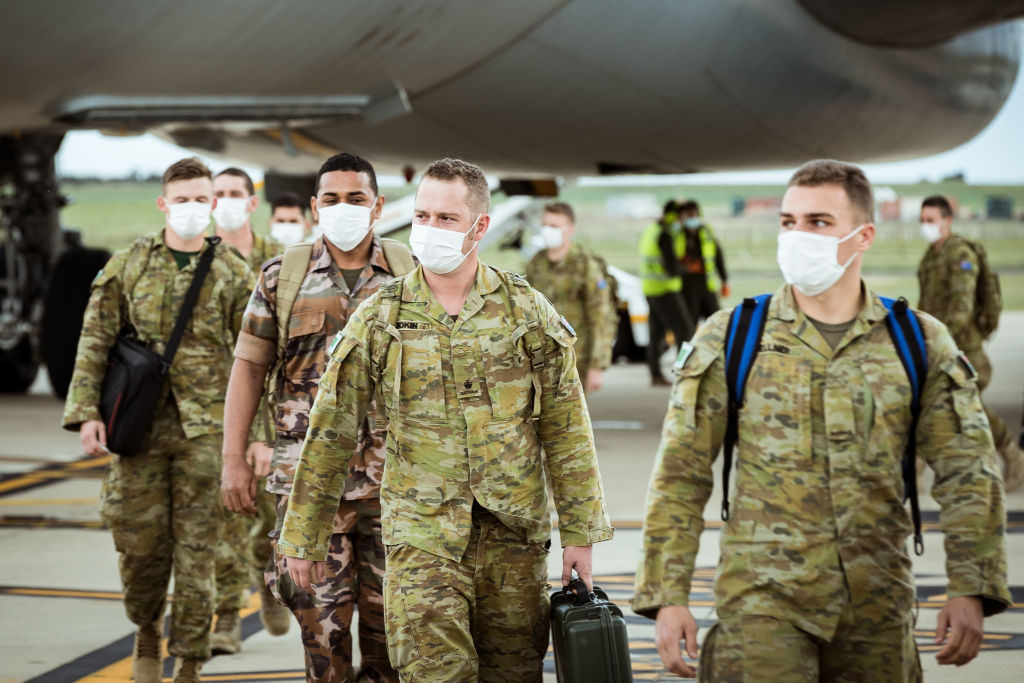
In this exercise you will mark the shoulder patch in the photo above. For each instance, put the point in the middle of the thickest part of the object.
(566, 325)
(602, 284)
(334, 344)
(966, 362)
(685, 349)
(98, 276)
(966, 265)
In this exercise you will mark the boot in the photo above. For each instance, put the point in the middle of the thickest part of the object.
(146, 659)
(1013, 471)
(276, 618)
(227, 634)
(187, 670)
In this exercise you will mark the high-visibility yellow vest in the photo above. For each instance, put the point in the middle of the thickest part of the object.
(709, 252)
(654, 281)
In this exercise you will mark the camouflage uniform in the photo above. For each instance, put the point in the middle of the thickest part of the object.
(163, 505)
(356, 564)
(948, 279)
(816, 536)
(464, 499)
(245, 548)
(577, 287)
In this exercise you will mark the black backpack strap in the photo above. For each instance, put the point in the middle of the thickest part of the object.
(746, 325)
(906, 334)
(191, 297)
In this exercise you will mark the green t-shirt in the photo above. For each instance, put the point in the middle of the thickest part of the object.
(351, 275)
(182, 258)
(832, 332)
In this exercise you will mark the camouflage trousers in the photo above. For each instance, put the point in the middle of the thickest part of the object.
(355, 572)
(163, 506)
(484, 618)
(751, 648)
(244, 551)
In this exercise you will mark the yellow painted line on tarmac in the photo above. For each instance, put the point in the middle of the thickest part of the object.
(64, 470)
(44, 502)
(61, 593)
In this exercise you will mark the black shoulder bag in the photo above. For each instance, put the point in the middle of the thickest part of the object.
(136, 374)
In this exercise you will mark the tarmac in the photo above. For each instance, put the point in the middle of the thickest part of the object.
(61, 619)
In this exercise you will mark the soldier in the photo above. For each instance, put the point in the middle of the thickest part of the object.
(245, 546)
(574, 280)
(288, 222)
(814, 581)
(162, 504)
(662, 286)
(463, 357)
(949, 283)
(337, 272)
(701, 263)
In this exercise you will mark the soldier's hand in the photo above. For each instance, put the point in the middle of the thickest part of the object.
(258, 456)
(726, 291)
(595, 380)
(305, 573)
(673, 624)
(238, 486)
(963, 618)
(577, 557)
(93, 435)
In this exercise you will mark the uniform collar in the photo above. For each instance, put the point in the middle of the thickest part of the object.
(321, 259)
(783, 307)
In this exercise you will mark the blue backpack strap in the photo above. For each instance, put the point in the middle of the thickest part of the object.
(746, 325)
(906, 334)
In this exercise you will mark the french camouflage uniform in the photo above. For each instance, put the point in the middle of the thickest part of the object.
(465, 512)
(813, 556)
(356, 555)
(577, 287)
(245, 548)
(163, 504)
(948, 280)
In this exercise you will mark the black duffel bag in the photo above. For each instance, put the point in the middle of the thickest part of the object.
(135, 375)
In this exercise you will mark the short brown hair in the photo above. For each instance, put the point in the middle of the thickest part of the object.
(561, 208)
(940, 203)
(847, 176)
(239, 173)
(449, 170)
(186, 169)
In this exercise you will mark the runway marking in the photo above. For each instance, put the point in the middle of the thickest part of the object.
(43, 502)
(39, 522)
(61, 593)
(86, 465)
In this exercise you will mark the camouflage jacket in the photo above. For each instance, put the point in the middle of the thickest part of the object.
(264, 248)
(577, 287)
(948, 279)
(321, 309)
(459, 397)
(199, 373)
(817, 518)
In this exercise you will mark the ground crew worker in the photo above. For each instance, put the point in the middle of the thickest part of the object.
(245, 546)
(814, 581)
(948, 279)
(162, 504)
(574, 280)
(343, 267)
(701, 264)
(463, 357)
(288, 222)
(662, 286)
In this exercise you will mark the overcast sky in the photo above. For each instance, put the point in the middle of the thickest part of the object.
(995, 156)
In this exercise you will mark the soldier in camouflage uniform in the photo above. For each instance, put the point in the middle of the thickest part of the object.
(814, 581)
(472, 355)
(335, 283)
(948, 279)
(245, 546)
(574, 281)
(162, 504)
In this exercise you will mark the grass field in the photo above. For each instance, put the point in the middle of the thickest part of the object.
(113, 214)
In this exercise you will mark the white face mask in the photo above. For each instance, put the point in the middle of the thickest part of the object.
(287, 233)
(692, 223)
(188, 219)
(231, 213)
(552, 237)
(931, 232)
(440, 250)
(345, 225)
(810, 262)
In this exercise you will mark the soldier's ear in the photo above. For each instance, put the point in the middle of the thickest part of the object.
(161, 203)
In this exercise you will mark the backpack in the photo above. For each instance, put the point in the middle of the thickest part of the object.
(988, 296)
(294, 265)
(521, 305)
(743, 338)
